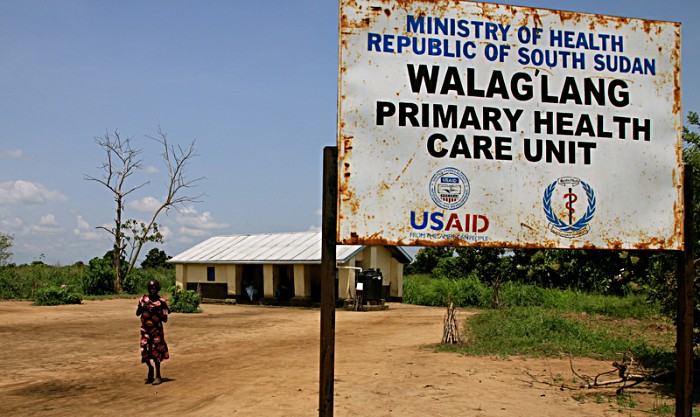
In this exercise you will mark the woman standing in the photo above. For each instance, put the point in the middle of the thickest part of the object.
(154, 311)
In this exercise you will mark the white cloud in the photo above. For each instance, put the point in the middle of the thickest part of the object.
(27, 192)
(14, 154)
(84, 231)
(313, 228)
(82, 223)
(184, 239)
(196, 225)
(47, 225)
(35, 229)
(11, 224)
(145, 205)
(188, 231)
(48, 220)
(189, 218)
(165, 231)
(187, 210)
(151, 170)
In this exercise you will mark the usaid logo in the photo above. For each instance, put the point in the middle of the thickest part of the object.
(449, 188)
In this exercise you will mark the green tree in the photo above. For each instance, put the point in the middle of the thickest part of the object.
(98, 277)
(5, 245)
(486, 264)
(156, 258)
(427, 259)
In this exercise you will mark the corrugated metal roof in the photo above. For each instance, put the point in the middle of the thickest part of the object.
(302, 247)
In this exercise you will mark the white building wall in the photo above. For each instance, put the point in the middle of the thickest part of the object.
(232, 274)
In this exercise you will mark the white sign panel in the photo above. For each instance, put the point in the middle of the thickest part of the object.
(466, 123)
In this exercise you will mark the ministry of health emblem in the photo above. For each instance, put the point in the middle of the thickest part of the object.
(565, 208)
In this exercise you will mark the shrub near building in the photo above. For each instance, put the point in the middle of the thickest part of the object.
(185, 301)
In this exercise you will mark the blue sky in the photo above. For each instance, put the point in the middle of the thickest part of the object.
(254, 83)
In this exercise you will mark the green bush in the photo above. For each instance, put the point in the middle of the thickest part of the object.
(185, 301)
(450, 268)
(130, 282)
(11, 284)
(52, 296)
(137, 281)
(98, 277)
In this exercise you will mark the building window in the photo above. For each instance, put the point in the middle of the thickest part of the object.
(210, 274)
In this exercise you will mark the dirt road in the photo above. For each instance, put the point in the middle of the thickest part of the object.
(244, 360)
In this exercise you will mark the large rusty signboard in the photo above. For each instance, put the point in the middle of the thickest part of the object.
(464, 123)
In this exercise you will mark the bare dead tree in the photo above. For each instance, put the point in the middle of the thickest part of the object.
(121, 163)
(176, 159)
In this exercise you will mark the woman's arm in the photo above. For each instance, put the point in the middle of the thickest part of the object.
(143, 305)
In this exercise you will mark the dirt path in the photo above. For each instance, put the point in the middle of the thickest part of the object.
(242, 360)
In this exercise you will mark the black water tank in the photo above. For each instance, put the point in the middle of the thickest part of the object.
(371, 280)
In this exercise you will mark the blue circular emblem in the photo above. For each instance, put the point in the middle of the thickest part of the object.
(449, 188)
(571, 224)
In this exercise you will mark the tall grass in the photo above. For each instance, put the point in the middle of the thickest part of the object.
(23, 282)
(428, 291)
(547, 322)
(540, 332)
(470, 292)
(634, 305)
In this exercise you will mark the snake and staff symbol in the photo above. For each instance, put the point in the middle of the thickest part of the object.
(569, 204)
(575, 227)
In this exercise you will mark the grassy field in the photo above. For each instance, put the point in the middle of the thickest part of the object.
(548, 322)
(541, 332)
(552, 323)
(23, 282)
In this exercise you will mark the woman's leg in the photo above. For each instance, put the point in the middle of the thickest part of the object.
(149, 380)
(157, 380)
